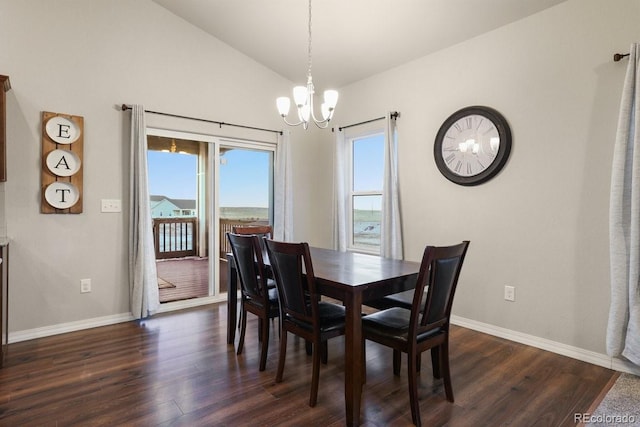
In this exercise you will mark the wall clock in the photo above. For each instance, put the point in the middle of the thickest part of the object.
(472, 145)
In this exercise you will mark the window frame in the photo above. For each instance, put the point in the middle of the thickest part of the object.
(350, 139)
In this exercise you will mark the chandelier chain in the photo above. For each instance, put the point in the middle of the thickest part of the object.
(309, 47)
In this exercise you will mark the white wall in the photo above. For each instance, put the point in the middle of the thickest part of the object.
(84, 58)
(542, 224)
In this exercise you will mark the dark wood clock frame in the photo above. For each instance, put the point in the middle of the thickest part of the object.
(502, 155)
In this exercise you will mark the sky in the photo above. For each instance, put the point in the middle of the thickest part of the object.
(368, 165)
(244, 175)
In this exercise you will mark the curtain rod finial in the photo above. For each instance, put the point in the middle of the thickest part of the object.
(618, 56)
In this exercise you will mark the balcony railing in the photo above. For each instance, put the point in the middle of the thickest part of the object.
(175, 237)
(226, 226)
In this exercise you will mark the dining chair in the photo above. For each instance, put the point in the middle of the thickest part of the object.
(263, 232)
(424, 326)
(257, 297)
(301, 310)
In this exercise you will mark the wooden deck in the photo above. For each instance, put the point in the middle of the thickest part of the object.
(189, 277)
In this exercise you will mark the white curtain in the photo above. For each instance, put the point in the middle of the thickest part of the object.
(283, 191)
(340, 185)
(391, 227)
(143, 277)
(623, 330)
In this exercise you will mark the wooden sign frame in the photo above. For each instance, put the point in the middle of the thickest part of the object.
(63, 140)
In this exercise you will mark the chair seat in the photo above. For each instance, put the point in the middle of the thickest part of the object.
(401, 299)
(274, 309)
(393, 323)
(393, 320)
(331, 317)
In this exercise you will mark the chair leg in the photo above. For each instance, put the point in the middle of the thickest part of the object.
(397, 361)
(435, 362)
(446, 372)
(282, 356)
(308, 347)
(264, 348)
(315, 375)
(413, 388)
(324, 353)
(243, 329)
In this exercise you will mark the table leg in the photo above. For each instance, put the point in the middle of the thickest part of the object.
(353, 358)
(232, 301)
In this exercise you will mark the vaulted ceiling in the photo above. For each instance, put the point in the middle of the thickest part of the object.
(352, 39)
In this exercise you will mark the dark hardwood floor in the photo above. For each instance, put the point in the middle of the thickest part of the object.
(176, 369)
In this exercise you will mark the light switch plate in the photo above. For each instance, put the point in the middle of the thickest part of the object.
(111, 205)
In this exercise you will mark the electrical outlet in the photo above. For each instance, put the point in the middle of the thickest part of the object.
(509, 293)
(111, 205)
(85, 286)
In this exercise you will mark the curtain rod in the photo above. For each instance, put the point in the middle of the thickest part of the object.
(394, 115)
(128, 107)
(618, 56)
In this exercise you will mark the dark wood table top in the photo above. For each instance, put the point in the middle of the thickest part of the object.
(374, 276)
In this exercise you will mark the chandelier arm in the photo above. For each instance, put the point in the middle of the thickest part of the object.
(311, 92)
(292, 124)
(323, 124)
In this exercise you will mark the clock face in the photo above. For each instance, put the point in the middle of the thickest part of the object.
(472, 145)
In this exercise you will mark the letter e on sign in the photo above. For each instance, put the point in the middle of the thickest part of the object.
(62, 130)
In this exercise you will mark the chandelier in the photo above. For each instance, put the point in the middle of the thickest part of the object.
(303, 98)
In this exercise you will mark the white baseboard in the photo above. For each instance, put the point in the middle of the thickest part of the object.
(548, 345)
(79, 325)
(62, 328)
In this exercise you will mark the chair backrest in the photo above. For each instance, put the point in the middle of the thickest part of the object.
(293, 272)
(262, 231)
(247, 255)
(439, 272)
(259, 230)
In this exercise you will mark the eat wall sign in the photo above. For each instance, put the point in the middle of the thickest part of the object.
(62, 143)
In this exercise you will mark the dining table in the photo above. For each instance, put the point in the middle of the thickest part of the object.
(353, 278)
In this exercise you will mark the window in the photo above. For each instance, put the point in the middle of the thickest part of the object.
(365, 198)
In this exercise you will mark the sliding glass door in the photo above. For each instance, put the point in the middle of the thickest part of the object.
(200, 187)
